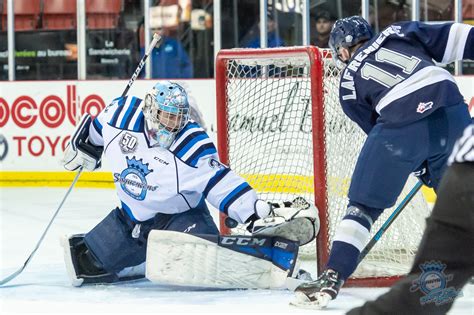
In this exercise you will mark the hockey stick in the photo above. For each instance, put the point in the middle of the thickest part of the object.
(389, 221)
(16, 273)
(154, 42)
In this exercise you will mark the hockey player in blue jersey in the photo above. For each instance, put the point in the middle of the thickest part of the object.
(412, 112)
(164, 167)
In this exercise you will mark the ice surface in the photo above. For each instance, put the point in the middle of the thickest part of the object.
(44, 287)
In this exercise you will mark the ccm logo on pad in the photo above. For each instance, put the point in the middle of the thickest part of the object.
(242, 241)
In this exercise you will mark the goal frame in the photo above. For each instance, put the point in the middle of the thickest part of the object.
(316, 74)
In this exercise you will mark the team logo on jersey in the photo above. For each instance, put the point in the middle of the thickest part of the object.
(213, 163)
(133, 179)
(423, 107)
(128, 143)
(433, 284)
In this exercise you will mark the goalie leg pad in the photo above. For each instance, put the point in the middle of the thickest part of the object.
(81, 265)
(209, 261)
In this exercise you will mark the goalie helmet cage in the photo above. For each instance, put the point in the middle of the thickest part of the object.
(281, 127)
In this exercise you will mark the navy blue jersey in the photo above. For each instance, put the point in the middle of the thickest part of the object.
(393, 77)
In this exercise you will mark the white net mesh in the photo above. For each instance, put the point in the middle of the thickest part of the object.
(269, 142)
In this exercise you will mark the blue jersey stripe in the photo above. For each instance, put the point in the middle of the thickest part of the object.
(114, 119)
(215, 180)
(130, 112)
(186, 140)
(209, 147)
(129, 212)
(205, 152)
(233, 196)
(138, 126)
(188, 126)
(97, 126)
(187, 143)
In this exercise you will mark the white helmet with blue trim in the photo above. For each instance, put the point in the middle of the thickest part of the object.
(166, 111)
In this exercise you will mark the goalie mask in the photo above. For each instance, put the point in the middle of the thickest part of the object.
(166, 112)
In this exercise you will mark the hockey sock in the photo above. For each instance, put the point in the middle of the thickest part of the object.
(351, 237)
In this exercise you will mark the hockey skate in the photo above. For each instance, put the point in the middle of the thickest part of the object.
(318, 293)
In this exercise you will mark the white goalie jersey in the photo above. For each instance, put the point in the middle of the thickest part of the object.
(152, 180)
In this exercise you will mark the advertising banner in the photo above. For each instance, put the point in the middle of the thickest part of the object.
(37, 117)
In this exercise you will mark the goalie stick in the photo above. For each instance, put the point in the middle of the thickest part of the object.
(155, 42)
(389, 221)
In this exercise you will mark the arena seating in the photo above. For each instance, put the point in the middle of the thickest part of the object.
(103, 14)
(27, 14)
(59, 14)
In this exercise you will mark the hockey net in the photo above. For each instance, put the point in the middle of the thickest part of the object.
(281, 127)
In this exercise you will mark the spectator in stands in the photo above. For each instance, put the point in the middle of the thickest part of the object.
(324, 24)
(170, 60)
(252, 39)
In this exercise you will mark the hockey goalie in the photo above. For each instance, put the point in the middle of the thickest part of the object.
(165, 167)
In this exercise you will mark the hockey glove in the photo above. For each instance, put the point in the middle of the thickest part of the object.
(80, 153)
(295, 220)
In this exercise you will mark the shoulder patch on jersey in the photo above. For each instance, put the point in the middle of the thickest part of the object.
(213, 163)
(423, 107)
(128, 143)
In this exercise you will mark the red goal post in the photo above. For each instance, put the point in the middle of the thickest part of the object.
(264, 100)
(316, 74)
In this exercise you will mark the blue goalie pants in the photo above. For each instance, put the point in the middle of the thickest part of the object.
(118, 242)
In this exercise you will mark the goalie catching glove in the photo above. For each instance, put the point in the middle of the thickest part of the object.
(295, 220)
(80, 152)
